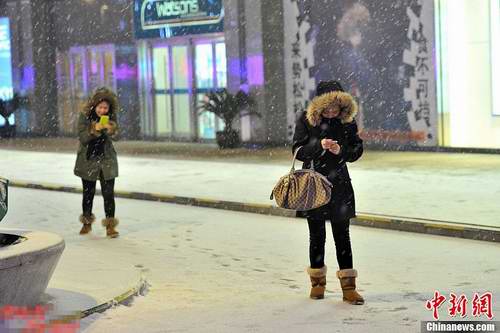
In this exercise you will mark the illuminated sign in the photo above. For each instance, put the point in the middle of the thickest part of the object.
(168, 18)
(6, 91)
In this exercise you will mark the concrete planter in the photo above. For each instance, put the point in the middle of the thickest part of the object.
(27, 261)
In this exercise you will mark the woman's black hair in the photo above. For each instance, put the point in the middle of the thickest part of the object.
(325, 87)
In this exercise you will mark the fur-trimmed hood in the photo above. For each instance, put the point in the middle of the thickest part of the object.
(347, 104)
(102, 94)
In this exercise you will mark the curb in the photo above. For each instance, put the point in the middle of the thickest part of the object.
(123, 299)
(432, 227)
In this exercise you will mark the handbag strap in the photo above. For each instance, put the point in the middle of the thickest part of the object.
(295, 158)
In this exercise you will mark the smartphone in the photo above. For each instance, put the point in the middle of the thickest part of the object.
(104, 120)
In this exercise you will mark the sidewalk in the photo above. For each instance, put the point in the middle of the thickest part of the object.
(220, 271)
(449, 187)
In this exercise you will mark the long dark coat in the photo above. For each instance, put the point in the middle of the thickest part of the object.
(310, 129)
(90, 168)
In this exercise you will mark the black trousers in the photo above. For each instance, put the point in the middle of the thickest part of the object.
(108, 192)
(317, 238)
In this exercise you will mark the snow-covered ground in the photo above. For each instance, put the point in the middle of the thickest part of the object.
(458, 195)
(221, 271)
(450, 195)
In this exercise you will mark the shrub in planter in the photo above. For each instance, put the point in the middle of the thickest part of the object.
(7, 108)
(228, 107)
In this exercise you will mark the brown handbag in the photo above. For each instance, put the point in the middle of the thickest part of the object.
(302, 190)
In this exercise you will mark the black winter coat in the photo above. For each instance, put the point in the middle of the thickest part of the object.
(310, 129)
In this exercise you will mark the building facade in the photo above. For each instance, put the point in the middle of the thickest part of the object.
(419, 80)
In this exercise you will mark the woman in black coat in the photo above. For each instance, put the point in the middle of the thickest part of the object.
(328, 136)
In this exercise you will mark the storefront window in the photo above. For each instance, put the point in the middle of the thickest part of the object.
(204, 66)
(495, 54)
(161, 85)
(468, 56)
(182, 117)
(210, 75)
(182, 74)
(221, 66)
(6, 90)
(81, 70)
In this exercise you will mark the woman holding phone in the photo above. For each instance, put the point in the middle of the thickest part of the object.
(329, 138)
(96, 159)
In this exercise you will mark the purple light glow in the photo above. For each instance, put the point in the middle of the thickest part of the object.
(233, 68)
(125, 72)
(93, 66)
(255, 70)
(28, 79)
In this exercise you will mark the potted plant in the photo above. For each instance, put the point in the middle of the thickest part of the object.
(7, 108)
(228, 107)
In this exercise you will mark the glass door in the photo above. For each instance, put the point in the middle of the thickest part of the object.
(65, 106)
(181, 82)
(210, 73)
(182, 71)
(80, 71)
(161, 93)
(78, 88)
(204, 63)
(171, 91)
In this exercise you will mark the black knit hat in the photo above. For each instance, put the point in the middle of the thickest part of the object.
(328, 86)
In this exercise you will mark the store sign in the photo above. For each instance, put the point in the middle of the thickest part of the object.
(6, 91)
(299, 59)
(421, 93)
(168, 18)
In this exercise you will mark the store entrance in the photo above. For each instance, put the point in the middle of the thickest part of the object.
(182, 73)
(80, 71)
